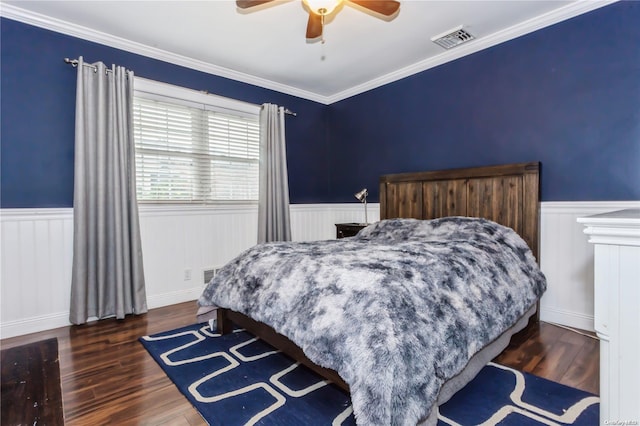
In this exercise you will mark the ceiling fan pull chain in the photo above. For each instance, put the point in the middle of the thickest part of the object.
(322, 23)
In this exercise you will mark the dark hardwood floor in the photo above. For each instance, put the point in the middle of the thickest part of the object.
(109, 378)
(31, 392)
(557, 354)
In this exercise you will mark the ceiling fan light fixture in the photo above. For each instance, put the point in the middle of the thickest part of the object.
(322, 7)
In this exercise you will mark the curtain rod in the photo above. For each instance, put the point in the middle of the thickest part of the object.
(286, 111)
(74, 63)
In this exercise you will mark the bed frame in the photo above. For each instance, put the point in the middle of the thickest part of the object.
(507, 194)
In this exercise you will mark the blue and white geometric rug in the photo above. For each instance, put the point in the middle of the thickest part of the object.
(237, 379)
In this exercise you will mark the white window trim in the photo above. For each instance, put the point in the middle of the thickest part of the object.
(148, 88)
(157, 90)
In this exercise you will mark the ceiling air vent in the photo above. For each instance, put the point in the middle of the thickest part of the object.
(452, 38)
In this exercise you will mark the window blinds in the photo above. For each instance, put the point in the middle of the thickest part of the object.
(194, 153)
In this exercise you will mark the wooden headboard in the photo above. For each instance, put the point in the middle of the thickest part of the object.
(507, 194)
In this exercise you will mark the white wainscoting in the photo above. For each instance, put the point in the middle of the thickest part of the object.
(37, 251)
(36, 248)
(566, 258)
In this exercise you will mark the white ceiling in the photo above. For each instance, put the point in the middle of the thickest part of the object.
(267, 46)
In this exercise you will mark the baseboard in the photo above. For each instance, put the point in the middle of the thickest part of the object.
(61, 319)
(173, 297)
(34, 324)
(567, 318)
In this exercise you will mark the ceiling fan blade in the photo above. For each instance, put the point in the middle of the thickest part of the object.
(245, 4)
(314, 26)
(383, 7)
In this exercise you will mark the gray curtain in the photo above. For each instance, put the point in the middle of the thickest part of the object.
(273, 205)
(107, 277)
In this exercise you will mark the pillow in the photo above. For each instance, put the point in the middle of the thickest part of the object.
(449, 228)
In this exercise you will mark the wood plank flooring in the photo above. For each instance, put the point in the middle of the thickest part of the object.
(31, 391)
(557, 354)
(109, 378)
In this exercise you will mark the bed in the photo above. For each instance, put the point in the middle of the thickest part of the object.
(416, 368)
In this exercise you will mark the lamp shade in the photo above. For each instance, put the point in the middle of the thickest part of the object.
(361, 195)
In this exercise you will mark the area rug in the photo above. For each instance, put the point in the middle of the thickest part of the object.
(239, 380)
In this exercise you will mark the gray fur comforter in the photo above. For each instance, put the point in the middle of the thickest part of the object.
(396, 310)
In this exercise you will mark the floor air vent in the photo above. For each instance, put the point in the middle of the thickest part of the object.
(453, 38)
(209, 273)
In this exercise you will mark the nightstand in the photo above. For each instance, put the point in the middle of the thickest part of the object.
(344, 230)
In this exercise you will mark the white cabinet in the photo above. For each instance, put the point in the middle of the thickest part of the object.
(616, 239)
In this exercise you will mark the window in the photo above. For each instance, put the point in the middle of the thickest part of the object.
(192, 147)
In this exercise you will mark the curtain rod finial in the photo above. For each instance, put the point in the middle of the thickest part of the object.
(73, 62)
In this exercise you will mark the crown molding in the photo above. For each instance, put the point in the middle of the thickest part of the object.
(85, 33)
(483, 42)
(567, 12)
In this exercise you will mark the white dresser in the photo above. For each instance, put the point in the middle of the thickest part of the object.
(616, 237)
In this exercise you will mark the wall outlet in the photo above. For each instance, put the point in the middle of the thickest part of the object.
(187, 274)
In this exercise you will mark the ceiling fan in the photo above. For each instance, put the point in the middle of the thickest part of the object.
(319, 9)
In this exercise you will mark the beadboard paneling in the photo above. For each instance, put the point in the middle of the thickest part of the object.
(312, 222)
(566, 258)
(37, 253)
(36, 247)
(176, 241)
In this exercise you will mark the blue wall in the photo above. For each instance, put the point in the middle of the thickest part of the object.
(567, 95)
(38, 115)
